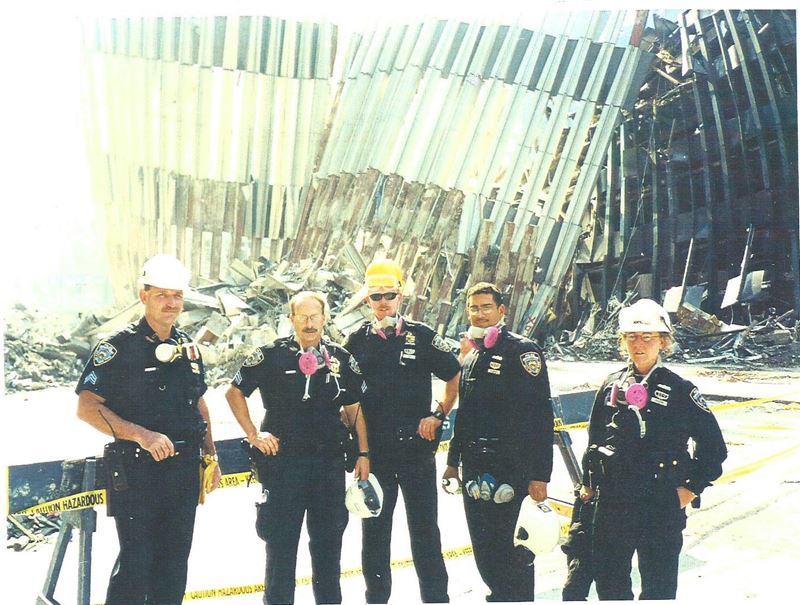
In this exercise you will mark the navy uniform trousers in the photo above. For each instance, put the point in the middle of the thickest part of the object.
(310, 486)
(155, 522)
(416, 477)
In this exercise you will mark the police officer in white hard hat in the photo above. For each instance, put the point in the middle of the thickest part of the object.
(144, 387)
(638, 465)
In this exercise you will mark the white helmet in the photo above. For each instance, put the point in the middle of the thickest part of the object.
(165, 271)
(538, 528)
(364, 498)
(644, 315)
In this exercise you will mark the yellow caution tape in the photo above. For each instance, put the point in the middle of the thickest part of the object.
(227, 591)
(98, 497)
(753, 466)
(68, 503)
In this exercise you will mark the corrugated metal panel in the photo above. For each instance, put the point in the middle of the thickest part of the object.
(498, 113)
(212, 103)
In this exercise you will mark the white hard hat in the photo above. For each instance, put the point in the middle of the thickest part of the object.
(538, 528)
(644, 315)
(364, 498)
(165, 271)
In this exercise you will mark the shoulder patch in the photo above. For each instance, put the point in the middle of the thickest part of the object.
(440, 343)
(354, 365)
(531, 362)
(699, 400)
(103, 353)
(254, 358)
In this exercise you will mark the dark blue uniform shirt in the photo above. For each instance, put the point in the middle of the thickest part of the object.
(161, 397)
(505, 395)
(274, 370)
(398, 373)
(675, 413)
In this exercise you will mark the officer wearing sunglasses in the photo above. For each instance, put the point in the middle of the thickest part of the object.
(397, 357)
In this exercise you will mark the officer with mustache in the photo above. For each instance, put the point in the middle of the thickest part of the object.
(144, 386)
(304, 380)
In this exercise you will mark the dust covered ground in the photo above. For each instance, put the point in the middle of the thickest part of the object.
(741, 545)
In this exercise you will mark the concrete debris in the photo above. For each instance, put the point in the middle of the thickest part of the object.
(37, 354)
(227, 319)
(768, 341)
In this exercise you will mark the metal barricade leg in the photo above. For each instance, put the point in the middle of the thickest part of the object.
(85, 521)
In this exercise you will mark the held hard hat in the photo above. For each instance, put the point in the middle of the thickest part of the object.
(538, 528)
(364, 498)
(644, 315)
(164, 271)
(384, 273)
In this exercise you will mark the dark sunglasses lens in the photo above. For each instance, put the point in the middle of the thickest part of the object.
(387, 295)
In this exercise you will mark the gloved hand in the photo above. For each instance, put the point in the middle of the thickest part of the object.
(210, 476)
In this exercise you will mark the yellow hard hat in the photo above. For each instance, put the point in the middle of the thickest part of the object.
(384, 273)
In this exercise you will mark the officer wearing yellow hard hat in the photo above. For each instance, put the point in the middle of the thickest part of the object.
(398, 356)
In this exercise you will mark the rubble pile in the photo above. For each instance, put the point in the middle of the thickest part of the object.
(226, 318)
(38, 353)
(771, 340)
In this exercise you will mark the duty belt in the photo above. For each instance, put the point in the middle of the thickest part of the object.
(132, 451)
(304, 447)
(407, 432)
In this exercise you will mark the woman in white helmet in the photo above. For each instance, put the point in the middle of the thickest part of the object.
(638, 466)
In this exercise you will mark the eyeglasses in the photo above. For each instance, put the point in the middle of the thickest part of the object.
(645, 337)
(474, 309)
(314, 318)
(385, 295)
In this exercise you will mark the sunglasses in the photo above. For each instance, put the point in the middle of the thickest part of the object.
(386, 295)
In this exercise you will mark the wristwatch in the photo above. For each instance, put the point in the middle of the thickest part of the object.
(364, 454)
(439, 415)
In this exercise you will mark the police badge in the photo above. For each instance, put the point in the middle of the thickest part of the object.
(354, 365)
(531, 362)
(254, 358)
(103, 353)
(440, 343)
(699, 400)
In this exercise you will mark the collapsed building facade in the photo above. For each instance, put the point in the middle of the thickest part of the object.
(571, 162)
